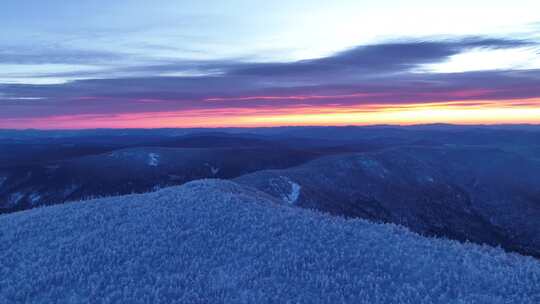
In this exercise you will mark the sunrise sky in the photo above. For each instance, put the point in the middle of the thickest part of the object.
(151, 64)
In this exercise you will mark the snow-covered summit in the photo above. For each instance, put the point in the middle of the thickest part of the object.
(214, 241)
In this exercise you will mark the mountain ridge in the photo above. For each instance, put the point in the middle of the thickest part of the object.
(485, 195)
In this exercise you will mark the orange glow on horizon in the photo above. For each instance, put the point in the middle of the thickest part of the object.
(457, 112)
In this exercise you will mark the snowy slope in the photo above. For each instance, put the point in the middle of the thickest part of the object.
(215, 241)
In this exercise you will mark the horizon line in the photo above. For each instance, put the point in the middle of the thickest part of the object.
(287, 126)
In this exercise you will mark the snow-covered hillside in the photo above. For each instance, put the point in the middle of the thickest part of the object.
(216, 241)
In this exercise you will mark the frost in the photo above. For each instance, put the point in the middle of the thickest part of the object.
(215, 241)
(153, 159)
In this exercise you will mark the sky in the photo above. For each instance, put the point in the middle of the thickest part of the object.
(164, 63)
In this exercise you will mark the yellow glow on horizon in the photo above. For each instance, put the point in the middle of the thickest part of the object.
(412, 114)
(456, 112)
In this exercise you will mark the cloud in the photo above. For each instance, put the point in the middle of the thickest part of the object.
(9, 55)
(380, 58)
(356, 63)
(365, 75)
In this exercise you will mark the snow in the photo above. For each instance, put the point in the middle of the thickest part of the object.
(295, 193)
(373, 166)
(34, 197)
(425, 179)
(175, 177)
(285, 189)
(213, 170)
(71, 189)
(153, 159)
(15, 198)
(215, 241)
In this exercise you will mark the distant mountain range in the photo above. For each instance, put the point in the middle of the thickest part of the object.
(132, 170)
(475, 183)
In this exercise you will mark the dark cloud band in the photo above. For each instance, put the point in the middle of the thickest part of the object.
(380, 73)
